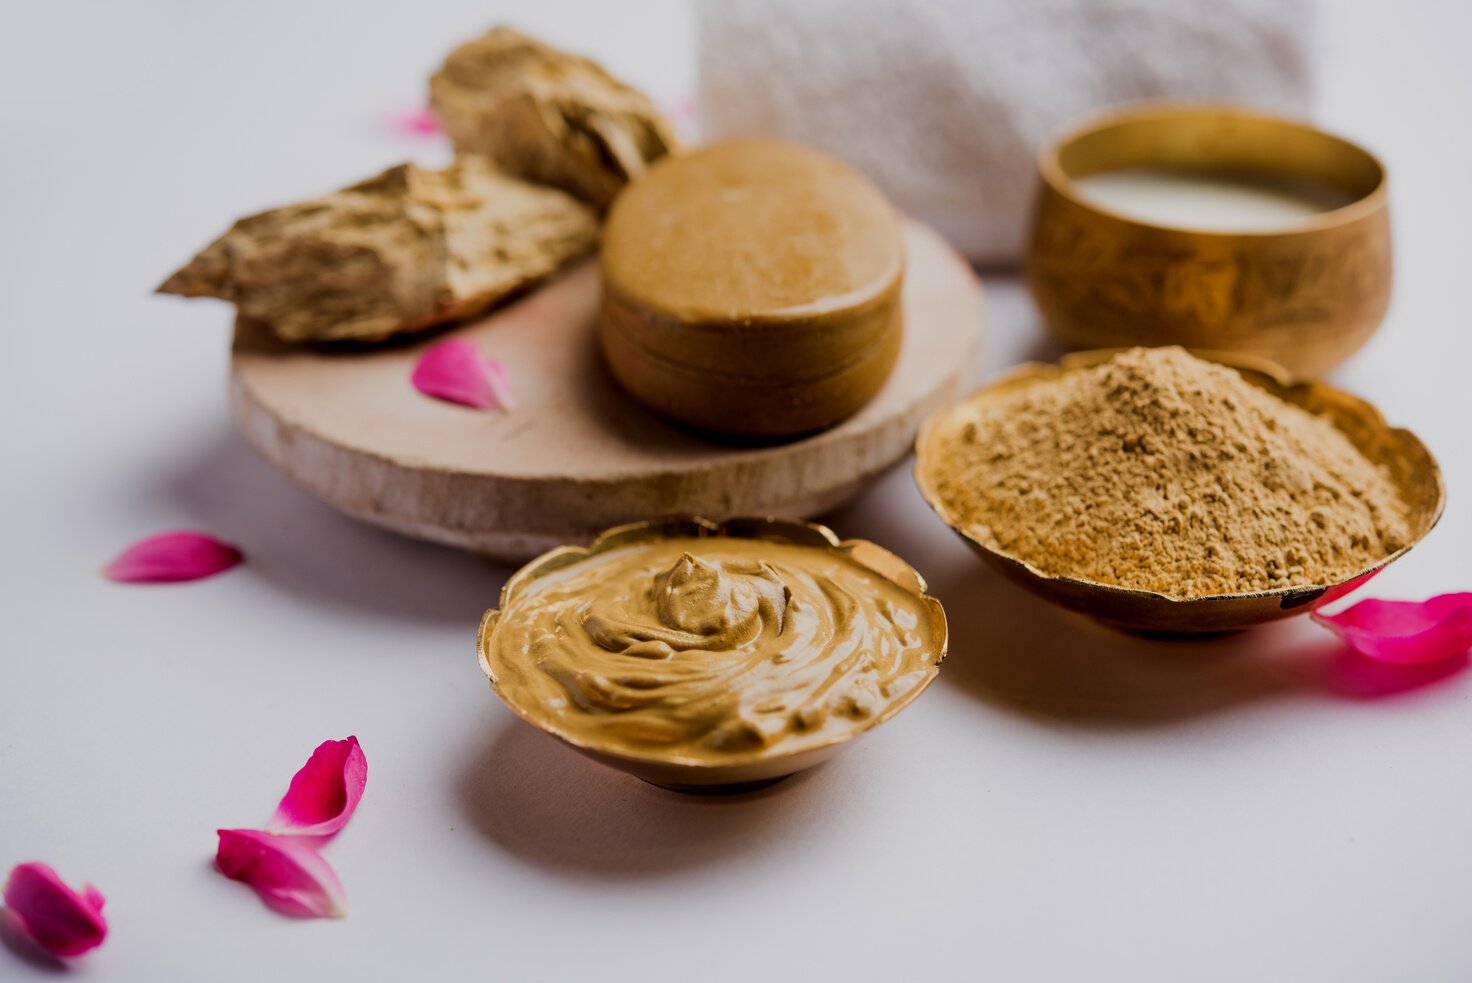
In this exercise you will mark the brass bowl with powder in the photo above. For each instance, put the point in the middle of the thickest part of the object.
(1162, 491)
(712, 658)
(1213, 227)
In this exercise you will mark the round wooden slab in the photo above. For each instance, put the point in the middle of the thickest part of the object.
(576, 455)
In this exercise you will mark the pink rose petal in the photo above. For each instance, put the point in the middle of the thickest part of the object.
(171, 557)
(682, 109)
(1352, 675)
(290, 877)
(454, 371)
(60, 920)
(1405, 632)
(419, 122)
(684, 115)
(324, 793)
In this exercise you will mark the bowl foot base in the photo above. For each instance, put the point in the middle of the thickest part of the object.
(734, 788)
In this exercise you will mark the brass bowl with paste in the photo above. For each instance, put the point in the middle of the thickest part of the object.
(1411, 466)
(1306, 295)
(705, 657)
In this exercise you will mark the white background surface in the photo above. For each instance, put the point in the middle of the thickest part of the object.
(1065, 803)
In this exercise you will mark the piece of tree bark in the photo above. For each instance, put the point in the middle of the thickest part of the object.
(399, 252)
(548, 116)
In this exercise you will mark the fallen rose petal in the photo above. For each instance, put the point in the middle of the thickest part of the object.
(60, 920)
(419, 122)
(454, 371)
(683, 108)
(290, 877)
(684, 115)
(1405, 632)
(324, 793)
(1354, 676)
(171, 557)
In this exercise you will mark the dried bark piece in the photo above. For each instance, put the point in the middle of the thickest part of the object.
(402, 251)
(548, 116)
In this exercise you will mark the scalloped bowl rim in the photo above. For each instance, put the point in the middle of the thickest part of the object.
(699, 527)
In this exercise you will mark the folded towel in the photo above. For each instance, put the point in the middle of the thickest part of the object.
(945, 103)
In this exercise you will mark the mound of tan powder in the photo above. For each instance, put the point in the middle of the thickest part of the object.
(1159, 471)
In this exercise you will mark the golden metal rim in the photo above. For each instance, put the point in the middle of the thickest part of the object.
(1059, 181)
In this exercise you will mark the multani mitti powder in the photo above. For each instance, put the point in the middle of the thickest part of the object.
(1159, 471)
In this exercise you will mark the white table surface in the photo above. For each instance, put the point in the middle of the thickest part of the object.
(1065, 803)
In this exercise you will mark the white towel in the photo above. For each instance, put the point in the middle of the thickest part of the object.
(945, 103)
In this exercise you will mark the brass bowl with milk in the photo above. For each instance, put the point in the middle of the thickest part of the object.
(1212, 227)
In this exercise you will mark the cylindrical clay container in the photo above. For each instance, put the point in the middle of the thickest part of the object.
(752, 288)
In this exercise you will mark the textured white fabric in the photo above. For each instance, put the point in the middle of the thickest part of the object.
(945, 103)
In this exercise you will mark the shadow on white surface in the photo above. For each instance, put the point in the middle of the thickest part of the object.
(1037, 346)
(1017, 651)
(318, 555)
(24, 948)
(554, 808)
(1013, 649)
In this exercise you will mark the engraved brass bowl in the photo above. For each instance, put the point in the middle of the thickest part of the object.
(1306, 296)
(1410, 465)
(743, 772)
